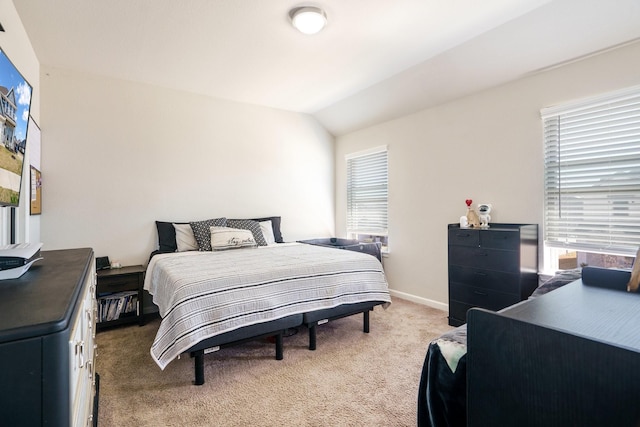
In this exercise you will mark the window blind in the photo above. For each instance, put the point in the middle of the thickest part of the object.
(367, 192)
(592, 174)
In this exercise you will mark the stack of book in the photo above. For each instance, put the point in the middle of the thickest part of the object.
(116, 305)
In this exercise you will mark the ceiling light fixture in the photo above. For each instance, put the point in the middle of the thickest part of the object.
(308, 19)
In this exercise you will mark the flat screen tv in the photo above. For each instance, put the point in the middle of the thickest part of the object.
(15, 101)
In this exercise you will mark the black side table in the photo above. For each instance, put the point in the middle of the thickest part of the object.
(120, 296)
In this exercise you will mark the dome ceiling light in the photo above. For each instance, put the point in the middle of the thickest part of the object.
(308, 19)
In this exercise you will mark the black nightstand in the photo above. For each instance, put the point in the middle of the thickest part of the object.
(120, 296)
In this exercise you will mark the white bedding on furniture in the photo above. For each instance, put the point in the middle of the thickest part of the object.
(204, 294)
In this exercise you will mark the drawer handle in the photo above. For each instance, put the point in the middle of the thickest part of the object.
(463, 235)
(480, 293)
(482, 254)
(89, 366)
(477, 273)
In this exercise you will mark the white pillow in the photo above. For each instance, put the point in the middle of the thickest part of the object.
(267, 232)
(231, 238)
(185, 239)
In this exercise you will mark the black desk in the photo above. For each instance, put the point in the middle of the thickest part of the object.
(567, 358)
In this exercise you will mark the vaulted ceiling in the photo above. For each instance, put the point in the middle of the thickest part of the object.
(374, 61)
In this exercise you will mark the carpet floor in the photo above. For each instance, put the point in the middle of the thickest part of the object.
(352, 379)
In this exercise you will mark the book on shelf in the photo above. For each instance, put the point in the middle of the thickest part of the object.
(113, 306)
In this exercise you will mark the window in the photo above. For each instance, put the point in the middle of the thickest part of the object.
(592, 175)
(367, 196)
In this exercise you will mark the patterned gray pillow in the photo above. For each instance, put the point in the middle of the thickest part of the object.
(202, 231)
(248, 224)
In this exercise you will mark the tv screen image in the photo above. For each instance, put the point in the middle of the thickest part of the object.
(15, 101)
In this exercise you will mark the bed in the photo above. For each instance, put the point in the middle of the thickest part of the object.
(442, 394)
(212, 299)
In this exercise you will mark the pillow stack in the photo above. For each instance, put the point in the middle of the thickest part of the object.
(218, 234)
(202, 231)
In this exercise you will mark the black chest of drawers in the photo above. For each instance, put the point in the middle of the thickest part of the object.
(490, 268)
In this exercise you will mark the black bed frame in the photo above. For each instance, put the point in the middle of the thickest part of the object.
(320, 317)
(277, 329)
(248, 333)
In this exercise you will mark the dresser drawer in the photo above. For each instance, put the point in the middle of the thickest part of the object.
(489, 259)
(500, 239)
(488, 279)
(458, 312)
(117, 283)
(481, 297)
(464, 237)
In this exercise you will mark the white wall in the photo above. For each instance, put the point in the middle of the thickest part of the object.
(17, 47)
(119, 155)
(486, 147)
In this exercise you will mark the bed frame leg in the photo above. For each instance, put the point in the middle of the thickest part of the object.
(365, 328)
(312, 335)
(198, 363)
(279, 346)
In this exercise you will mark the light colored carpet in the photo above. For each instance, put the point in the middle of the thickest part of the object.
(352, 379)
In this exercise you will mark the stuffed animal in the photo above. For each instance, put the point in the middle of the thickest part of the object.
(632, 286)
(472, 216)
(484, 209)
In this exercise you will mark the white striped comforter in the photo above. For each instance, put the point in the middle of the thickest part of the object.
(203, 294)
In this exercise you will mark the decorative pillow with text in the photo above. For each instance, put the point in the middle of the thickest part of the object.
(248, 224)
(223, 238)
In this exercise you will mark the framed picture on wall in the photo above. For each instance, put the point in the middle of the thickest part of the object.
(36, 176)
(36, 191)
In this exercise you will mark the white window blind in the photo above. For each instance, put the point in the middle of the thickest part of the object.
(592, 174)
(367, 192)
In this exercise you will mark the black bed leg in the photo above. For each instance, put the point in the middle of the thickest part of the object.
(312, 336)
(198, 363)
(279, 347)
(366, 322)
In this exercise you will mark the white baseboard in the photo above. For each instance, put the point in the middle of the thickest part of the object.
(420, 300)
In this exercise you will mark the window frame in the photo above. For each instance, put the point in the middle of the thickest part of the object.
(592, 175)
(359, 226)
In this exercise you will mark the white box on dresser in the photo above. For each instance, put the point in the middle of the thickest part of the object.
(47, 342)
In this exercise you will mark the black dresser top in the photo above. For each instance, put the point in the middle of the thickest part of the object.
(42, 300)
(494, 226)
